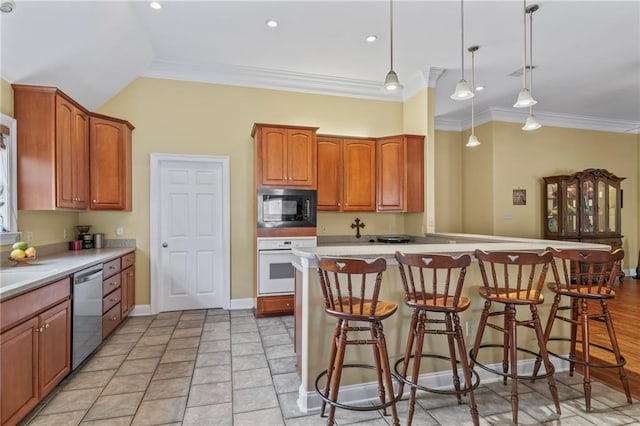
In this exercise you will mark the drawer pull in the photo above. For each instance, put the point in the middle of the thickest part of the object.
(114, 318)
(113, 300)
(46, 325)
(112, 283)
(39, 329)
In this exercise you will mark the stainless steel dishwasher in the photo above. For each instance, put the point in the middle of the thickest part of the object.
(87, 313)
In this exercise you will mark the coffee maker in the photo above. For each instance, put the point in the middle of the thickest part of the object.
(85, 236)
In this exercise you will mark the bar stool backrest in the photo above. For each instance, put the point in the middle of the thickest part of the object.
(348, 287)
(586, 271)
(513, 275)
(432, 279)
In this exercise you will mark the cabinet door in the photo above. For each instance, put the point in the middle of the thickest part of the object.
(19, 371)
(55, 345)
(301, 158)
(72, 155)
(110, 147)
(128, 288)
(329, 174)
(390, 174)
(359, 183)
(273, 149)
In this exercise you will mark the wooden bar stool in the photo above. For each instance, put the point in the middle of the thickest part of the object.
(513, 279)
(350, 288)
(586, 276)
(432, 286)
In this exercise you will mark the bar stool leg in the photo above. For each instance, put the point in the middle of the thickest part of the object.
(419, 338)
(481, 326)
(376, 357)
(384, 356)
(574, 334)
(337, 371)
(330, 367)
(512, 340)
(584, 316)
(542, 344)
(507, 341)
(407, 353)
(616, 349)
(547, 330)
(452, 356)
(466, 369)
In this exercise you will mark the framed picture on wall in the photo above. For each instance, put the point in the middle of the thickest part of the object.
(519, 197)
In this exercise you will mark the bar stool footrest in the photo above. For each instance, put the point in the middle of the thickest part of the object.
(510, 375)
(574, 360)
(380, 406)
(462, 391)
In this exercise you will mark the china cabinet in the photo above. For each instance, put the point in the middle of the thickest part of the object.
(584, 206)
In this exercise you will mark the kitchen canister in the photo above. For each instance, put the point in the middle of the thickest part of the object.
(98, 240)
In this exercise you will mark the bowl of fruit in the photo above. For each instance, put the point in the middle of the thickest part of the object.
(22, 253)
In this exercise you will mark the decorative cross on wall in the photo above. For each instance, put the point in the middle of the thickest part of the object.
(357, 225)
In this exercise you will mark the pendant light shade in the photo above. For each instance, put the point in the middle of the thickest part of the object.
(531, 123)
(463, 91)
(524, 99)
(391, 82)
(473, 140)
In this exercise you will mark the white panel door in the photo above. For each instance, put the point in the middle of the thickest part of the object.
(191, 268)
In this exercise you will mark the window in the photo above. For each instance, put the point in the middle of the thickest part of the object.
(8, 180)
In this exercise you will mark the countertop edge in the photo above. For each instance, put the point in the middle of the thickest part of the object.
(49, 269)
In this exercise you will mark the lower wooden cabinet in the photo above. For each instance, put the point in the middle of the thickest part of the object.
(35, 348)
(274, 305)
(118, 291)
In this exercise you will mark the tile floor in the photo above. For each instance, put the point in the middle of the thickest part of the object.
(221, 367)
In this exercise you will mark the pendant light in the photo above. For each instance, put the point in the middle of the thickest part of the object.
(391, 82)
(463, 91)
(531, 123)
(473, 140)
(524, 97)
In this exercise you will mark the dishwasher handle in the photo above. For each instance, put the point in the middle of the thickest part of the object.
(84, 278)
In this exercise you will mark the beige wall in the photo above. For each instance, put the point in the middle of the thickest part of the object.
(448, 175)
(6, 97)
(477, 182)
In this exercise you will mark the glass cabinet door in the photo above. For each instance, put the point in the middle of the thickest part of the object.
(572, 208)
(552, 207)
(602, 207)
(588, 206)
(613, 209)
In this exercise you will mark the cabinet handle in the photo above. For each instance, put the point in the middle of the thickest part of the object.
(112, 283)
(95, 201)
(288, 305)
(113, 300)
(114, 318)
(39, 329)
(46, 325)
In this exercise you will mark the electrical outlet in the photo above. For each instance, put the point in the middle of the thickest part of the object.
(323, 229)
(119, 231)
(65, 234)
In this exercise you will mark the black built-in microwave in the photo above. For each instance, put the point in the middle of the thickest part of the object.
(284, 208)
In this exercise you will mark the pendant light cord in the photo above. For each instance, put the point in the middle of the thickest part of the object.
(462, 36)
(524, 56)
(391, 29)
(531, 51)
(473, 88)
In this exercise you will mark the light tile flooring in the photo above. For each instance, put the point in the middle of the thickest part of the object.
(221, 367)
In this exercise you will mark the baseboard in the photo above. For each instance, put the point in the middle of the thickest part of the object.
(246, 303)
(140, 310)
(310, 402)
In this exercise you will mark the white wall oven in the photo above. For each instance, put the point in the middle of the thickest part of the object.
(275, 270)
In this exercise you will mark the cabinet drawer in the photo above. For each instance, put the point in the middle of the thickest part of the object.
(275, 305)
(127, 260)
(110, 284)
(110, 320)
(29, 304)
(110, 268)
(111, 299)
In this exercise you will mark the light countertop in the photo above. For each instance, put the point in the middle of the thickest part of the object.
(15, 280)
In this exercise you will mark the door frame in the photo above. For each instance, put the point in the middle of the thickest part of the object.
(154, 213)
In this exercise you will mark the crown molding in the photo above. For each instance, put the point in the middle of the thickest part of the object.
(263, 78)
(547, 119)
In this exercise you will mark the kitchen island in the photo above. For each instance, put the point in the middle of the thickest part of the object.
(313, 328)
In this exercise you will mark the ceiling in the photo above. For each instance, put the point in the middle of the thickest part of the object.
(586, 54)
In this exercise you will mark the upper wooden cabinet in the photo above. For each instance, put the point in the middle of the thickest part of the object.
(110, 153)
(285, 156)
(53, 150)
(400, 173)
(346, 174)
(54, 154)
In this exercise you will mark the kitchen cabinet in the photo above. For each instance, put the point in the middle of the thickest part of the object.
(274, 305)
(400, 173)
(35, 347)
(285, 156)
(346, 174)
(584, 206)
(53, 150)
(110, 154)
(59, 142)
(118, 291)
(127, 283)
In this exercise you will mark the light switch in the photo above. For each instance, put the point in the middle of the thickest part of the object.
(119, 231)
(507, 216)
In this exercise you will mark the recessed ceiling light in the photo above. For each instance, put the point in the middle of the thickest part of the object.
(7, 7)
(480, 88)
(271, 23)
(371, 38)
(155, 5)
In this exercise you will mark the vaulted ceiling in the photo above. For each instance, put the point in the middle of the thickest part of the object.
(586, 54)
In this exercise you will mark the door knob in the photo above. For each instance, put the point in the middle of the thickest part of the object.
(165, 245)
